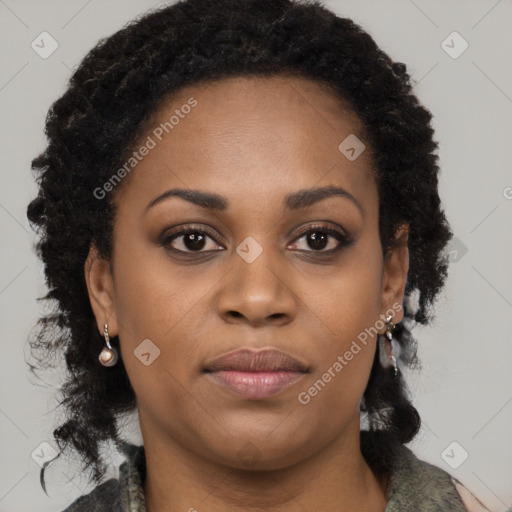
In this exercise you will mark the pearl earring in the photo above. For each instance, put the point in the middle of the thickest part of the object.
(108, 356)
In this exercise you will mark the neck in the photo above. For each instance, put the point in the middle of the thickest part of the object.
(336, 478)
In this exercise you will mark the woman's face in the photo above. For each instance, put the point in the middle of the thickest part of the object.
(267, 263)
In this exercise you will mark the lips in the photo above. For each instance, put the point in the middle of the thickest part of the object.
(256, 375)
(247, 360)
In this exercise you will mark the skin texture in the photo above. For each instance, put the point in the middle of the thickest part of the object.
(253, 141)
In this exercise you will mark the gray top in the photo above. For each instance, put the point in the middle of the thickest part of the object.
(414, 485)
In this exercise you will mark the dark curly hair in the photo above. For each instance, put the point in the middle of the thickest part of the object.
(103, 113)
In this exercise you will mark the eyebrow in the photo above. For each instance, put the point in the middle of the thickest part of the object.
(294, 201)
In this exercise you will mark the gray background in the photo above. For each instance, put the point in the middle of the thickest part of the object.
(464, 391)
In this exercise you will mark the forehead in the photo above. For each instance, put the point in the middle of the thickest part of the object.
(251, 136)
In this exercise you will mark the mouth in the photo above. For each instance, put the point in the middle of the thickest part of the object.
(256, 375)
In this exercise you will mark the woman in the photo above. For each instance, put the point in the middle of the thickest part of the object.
(240, 225)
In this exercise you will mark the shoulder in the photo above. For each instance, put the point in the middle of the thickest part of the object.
(118, 495)
(106, 496)
(471, 502)
(415, 484)
(412, 483)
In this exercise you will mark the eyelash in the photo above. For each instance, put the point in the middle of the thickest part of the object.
(344, 240)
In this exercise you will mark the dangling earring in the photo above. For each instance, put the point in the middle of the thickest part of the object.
(388, 352)
(108, 356)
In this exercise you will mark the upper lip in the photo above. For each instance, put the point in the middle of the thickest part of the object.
(249, 360)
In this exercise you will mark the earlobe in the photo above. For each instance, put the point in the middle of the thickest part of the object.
(101, 290)
(396, 268)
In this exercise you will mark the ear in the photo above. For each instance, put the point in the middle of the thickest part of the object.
(394, 278)
(100, 286)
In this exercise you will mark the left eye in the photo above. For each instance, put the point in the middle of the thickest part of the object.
(318, 239)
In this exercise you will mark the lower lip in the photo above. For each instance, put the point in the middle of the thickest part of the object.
(256, 385)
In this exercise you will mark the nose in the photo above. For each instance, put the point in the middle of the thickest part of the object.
(257, 294)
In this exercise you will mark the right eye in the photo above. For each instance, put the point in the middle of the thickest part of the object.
(189, 240)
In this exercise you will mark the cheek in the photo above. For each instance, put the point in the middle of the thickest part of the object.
(347, 307)
(347, 299)
(152, 294)
(154, 302)
(156, 336)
